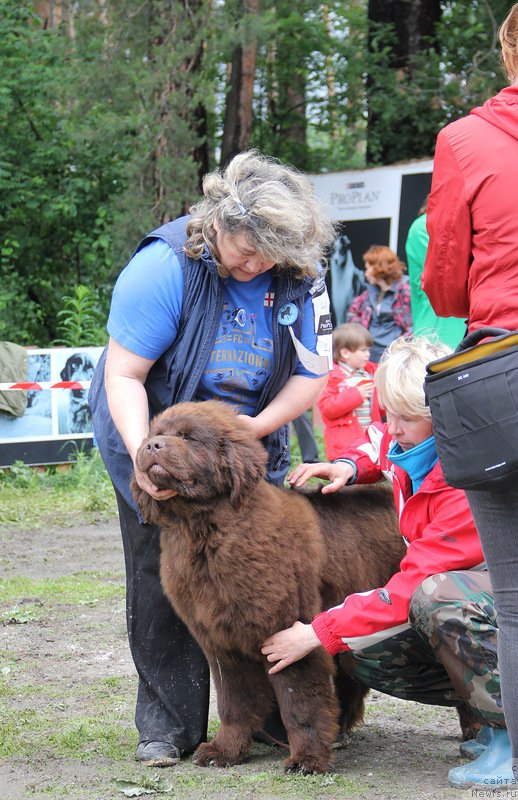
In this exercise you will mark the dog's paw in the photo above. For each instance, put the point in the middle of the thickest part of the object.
(306, 765)
(208, 755)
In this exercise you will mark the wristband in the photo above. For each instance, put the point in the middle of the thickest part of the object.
(352, 479)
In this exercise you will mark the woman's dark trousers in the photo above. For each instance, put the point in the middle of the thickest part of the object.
(173, 690)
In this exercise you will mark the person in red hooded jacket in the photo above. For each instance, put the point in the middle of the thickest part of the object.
(429, 634)
(471, 271)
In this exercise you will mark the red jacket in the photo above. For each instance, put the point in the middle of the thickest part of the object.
(439, 530)
(338, 409)
(471, 267)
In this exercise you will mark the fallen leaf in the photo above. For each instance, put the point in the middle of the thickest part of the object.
(153, 785)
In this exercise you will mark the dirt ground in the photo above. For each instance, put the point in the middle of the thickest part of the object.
(53, 666)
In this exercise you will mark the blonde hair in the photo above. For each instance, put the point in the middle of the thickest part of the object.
(384, 263)
(352, 336)
(273, 205)
(508, 35)
(400, 376)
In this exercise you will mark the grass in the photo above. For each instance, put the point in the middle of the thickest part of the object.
(234, 783)
(24, 599)
(60, 495)
(24, 732)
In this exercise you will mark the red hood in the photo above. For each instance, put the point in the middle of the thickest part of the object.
(501, 111)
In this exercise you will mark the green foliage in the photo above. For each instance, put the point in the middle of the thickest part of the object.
(64, 495)
(323, 67)
(58, 172)
(106, 134)
(459, 70)
(78, 320)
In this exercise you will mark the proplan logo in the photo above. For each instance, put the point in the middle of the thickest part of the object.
(355, 195)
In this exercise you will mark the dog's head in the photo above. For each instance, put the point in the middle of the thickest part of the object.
(204, 453)
(78, 367)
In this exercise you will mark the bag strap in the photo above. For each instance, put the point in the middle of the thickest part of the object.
(476, 336)
(470, 349)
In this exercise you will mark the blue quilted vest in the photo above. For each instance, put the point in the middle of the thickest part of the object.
(175, 376)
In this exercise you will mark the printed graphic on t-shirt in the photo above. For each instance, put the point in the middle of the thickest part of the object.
(241, 359)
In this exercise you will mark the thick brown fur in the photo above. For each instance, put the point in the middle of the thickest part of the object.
(242, 559)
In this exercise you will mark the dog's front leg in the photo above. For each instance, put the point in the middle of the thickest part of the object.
(309, 710)
(244, 700)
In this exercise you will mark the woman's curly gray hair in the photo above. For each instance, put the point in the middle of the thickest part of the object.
(272, 204)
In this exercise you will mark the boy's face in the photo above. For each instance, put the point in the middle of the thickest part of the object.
(408, 431)
(356, 359)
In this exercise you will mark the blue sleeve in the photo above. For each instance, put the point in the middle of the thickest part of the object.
(147, 302)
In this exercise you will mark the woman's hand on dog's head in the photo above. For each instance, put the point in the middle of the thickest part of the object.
(337, 474)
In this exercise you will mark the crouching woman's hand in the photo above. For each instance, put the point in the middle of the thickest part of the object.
(287, 646)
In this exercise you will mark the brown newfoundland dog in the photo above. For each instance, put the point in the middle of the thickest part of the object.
(242, 559)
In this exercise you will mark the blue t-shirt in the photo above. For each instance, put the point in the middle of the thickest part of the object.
(145, 314)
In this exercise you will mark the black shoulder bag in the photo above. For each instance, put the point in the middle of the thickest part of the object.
(473, 399)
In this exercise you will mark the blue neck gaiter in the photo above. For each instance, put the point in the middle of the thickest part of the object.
(417, 462)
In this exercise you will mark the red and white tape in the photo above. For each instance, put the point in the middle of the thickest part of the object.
(30, 386)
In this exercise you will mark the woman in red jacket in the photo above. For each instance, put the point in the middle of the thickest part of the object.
(432, 624)
(471, 271)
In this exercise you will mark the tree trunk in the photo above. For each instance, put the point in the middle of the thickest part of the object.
(413, 20)
(181, 121)
(330, 80)
(239, 101)
(289, 121)
(414, 23)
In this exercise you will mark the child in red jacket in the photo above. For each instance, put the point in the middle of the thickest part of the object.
(349, 402)
(430, 634)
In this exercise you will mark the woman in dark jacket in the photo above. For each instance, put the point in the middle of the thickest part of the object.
(229, 303)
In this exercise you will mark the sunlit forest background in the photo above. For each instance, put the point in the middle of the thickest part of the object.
(113, 110)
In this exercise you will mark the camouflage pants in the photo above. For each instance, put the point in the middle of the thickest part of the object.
(448, 656)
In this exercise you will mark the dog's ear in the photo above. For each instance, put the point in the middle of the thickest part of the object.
(245, 461)
(65, 372)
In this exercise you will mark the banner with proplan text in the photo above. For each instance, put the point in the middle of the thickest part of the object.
(372, 207)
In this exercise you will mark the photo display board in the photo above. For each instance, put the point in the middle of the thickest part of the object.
(57, 421)
(372, 207)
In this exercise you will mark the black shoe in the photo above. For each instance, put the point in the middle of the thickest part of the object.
(158, 754)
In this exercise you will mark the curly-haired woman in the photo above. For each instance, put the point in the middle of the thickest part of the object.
(229, 303)
(384, 307)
